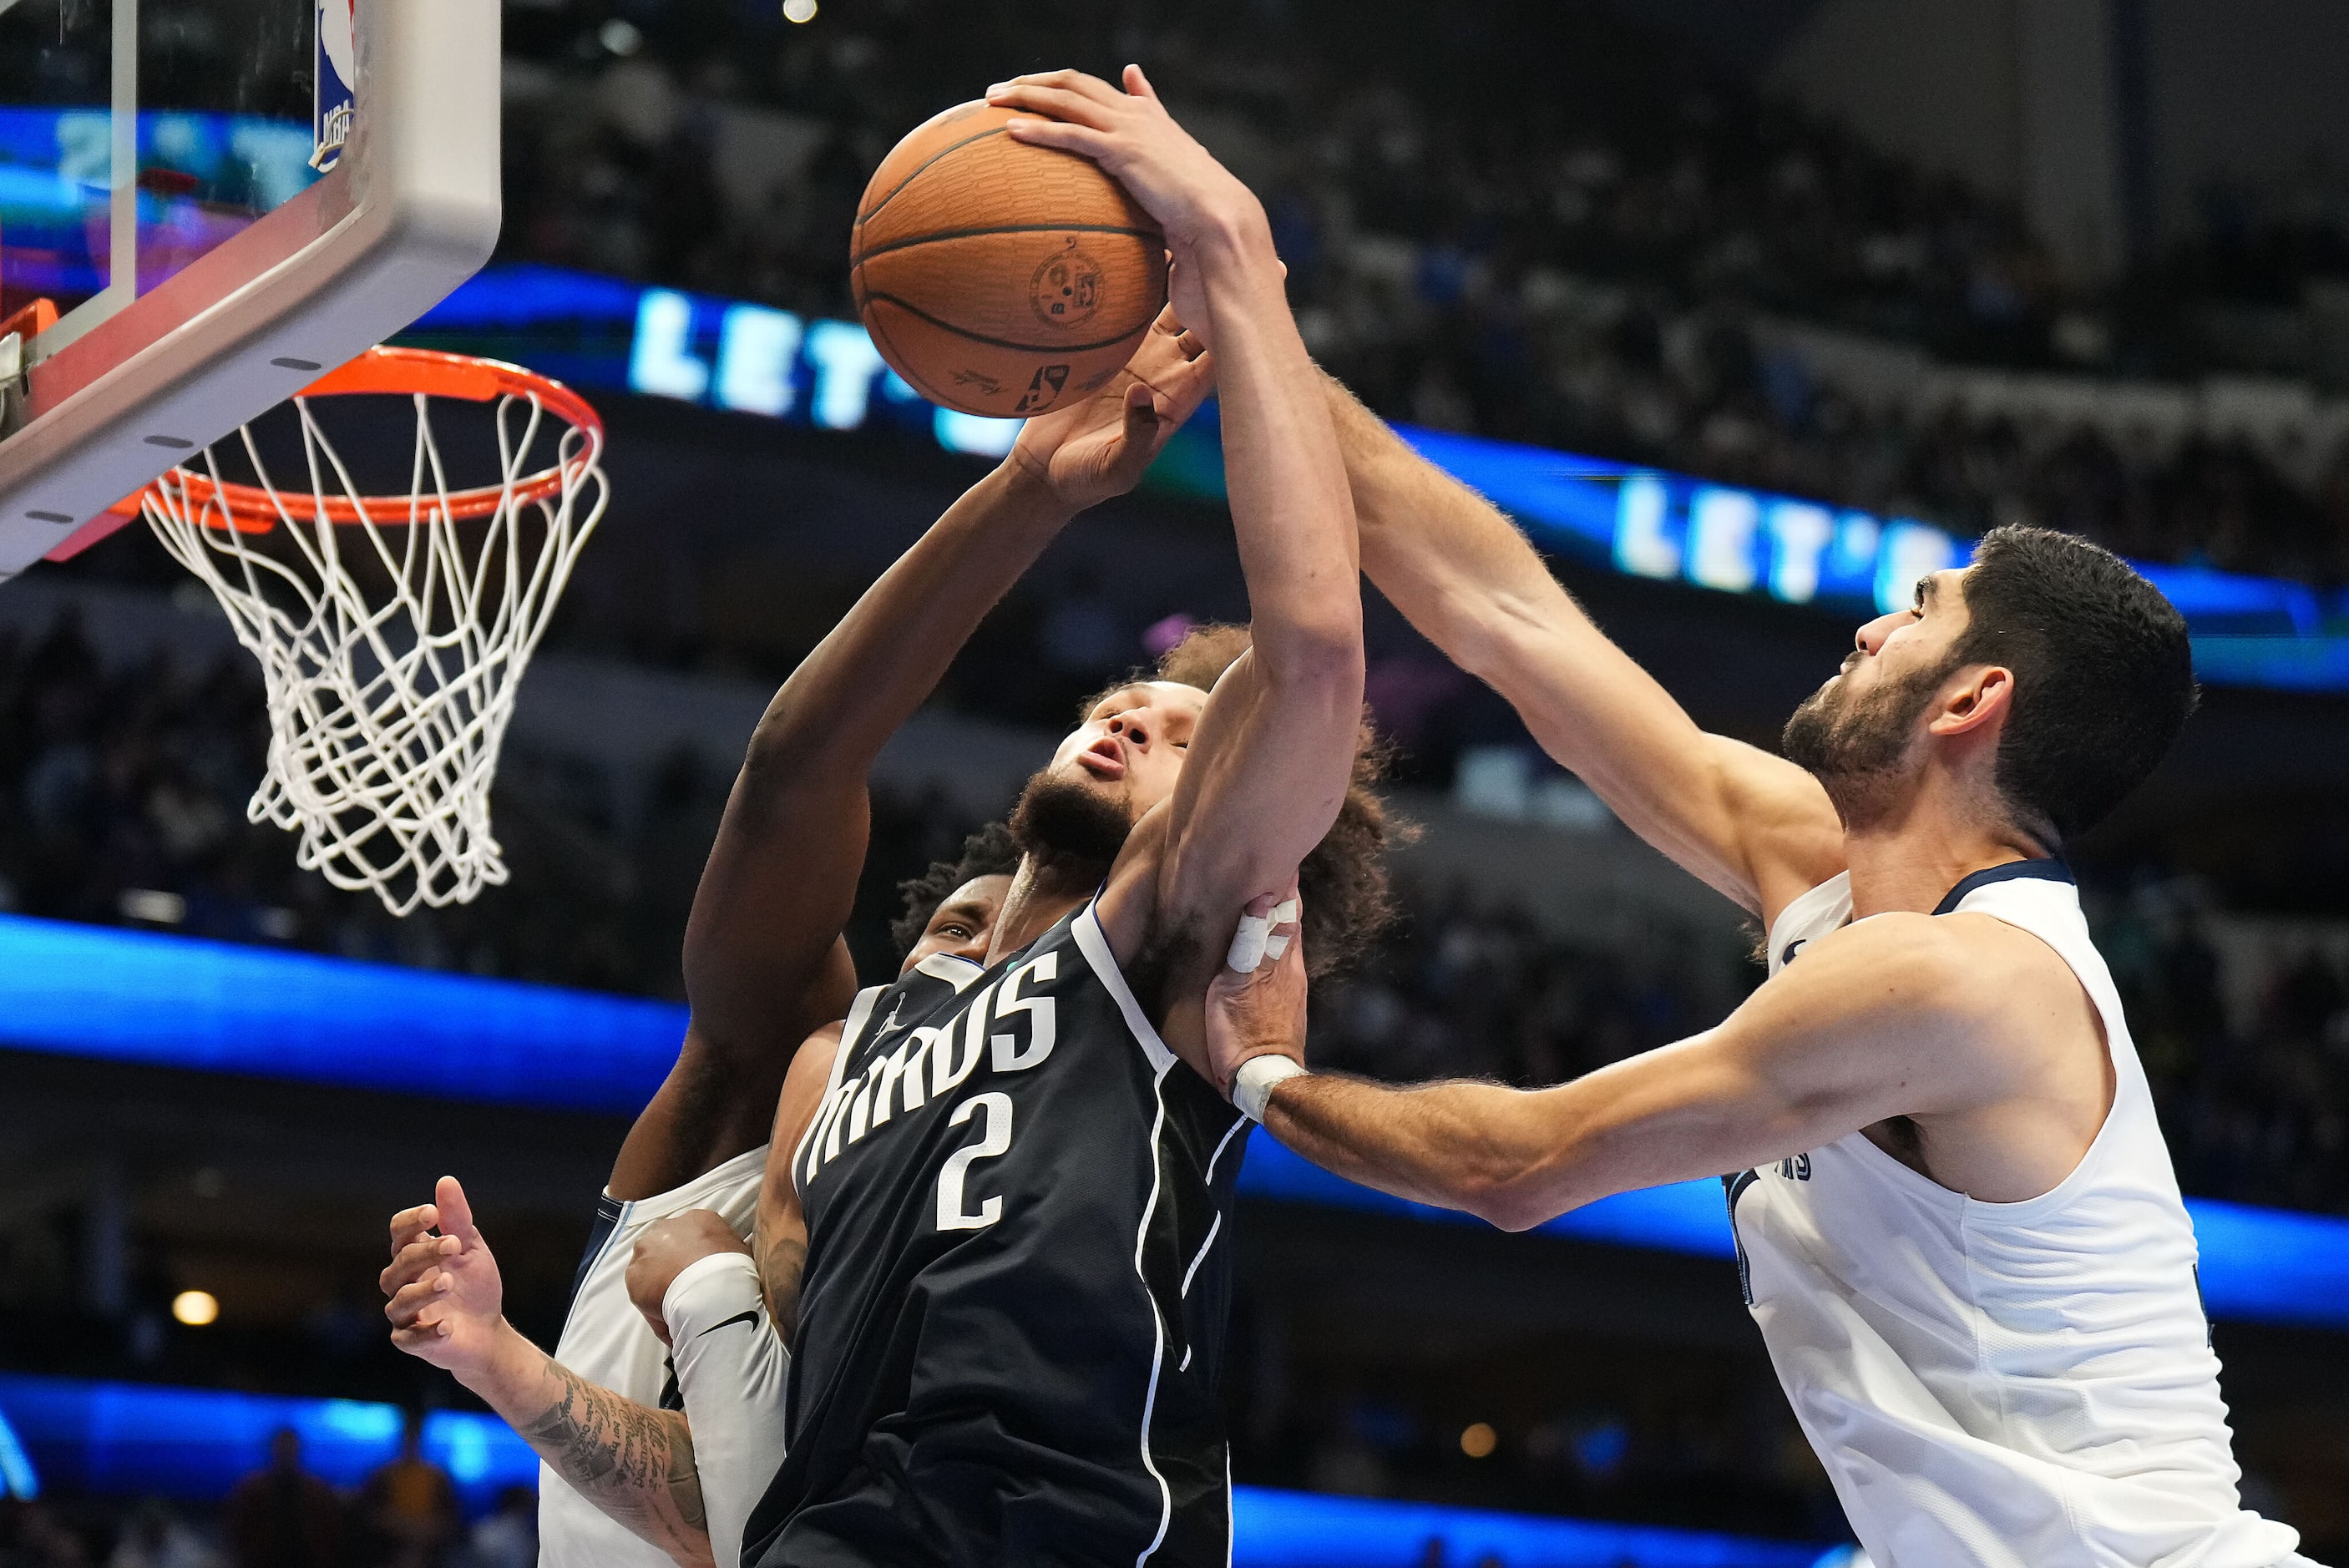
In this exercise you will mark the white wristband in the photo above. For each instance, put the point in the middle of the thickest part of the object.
(1252, 1085)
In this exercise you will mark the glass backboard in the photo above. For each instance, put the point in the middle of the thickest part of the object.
(206, 204)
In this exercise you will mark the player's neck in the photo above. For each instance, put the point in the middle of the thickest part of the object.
(1041, 893)
(1909, 856)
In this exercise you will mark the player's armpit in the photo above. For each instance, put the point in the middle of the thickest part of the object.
(1889, 1025)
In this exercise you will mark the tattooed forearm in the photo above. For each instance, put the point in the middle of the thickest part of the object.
(634, 1463)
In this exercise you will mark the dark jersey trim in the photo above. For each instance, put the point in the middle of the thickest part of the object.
(2044, 869)
(608, 1211)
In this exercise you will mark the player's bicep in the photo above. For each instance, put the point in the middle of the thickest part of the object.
(1267, 771)
(1785, 835)
(778, 887)
(1598, 713)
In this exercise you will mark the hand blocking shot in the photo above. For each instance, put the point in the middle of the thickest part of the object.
(1956, 1220)
(995, 1222)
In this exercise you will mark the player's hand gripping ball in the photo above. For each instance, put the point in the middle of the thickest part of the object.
(1000, 278)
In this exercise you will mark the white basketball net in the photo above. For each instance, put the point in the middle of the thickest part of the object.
(387, 710)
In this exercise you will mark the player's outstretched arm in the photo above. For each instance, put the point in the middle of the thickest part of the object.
(634, 1463)
(1269, 763)
(1884, 1018)
(763, 959)
(1752, 825)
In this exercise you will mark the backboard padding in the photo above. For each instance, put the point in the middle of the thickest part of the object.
(410, 211)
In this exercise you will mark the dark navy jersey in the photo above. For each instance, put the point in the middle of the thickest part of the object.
(1012, 1313)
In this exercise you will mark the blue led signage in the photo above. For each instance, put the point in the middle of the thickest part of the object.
(194, 1444)
(171, 1001)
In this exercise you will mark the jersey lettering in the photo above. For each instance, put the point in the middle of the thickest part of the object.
(994, 1140)
(903, 1065)
(1043, 1016)
(947, 1074)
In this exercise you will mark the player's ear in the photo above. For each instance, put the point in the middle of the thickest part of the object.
(1984, 696)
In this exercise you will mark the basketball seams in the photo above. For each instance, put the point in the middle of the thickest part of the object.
(915, 240)
(963, 227)
(920, 315)
(897, 358)
(916, 173)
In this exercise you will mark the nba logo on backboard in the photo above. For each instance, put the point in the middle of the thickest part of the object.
(337, 69)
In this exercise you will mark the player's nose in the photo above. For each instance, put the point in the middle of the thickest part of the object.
(1869, 638)
(1132, 728)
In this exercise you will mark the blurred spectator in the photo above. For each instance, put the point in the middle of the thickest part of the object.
(33, 1536)
(99, 767)
(1574, 256)
(507, 1538)
(407, 1508)
(155, 1537)
(282, 1516)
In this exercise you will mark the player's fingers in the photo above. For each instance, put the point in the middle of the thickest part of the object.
(1181, 390)
(411, 1224)
(1060, 103)
(416, 1259)
(1082, 82)
(1141, 412)
(411, 1299)
(1077, 139)
(455, 1211)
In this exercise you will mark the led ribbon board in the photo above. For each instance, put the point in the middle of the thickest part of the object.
(172, 1001)
(195, 1444)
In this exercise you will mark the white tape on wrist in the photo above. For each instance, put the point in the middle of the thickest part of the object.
(1252, 1085)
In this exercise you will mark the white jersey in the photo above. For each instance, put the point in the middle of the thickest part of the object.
(2001, 1385)
(606, 1341)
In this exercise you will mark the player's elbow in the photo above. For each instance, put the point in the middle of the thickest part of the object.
(1322, 655)
(1510, 1205)
(1508, 1189)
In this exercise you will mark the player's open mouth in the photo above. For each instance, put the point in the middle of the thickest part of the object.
(1105, 759)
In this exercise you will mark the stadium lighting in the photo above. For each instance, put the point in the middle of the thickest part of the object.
(196, 1308)
(1478, 1441)
(799, 10)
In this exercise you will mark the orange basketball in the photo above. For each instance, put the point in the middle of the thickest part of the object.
(1000, 278)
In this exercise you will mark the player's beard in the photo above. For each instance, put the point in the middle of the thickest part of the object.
(1857, 748)
(1070, 830)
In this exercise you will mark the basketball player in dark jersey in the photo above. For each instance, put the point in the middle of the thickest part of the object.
(1008, 1321)
(764, 961)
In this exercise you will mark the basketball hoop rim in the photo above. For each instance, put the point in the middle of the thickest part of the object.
(404, 372)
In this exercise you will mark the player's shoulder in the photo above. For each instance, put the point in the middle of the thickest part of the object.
(1964, 966)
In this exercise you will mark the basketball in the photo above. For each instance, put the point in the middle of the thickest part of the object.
(1000, 278)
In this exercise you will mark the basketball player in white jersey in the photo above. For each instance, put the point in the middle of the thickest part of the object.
(765, 968)
(1957, 1222)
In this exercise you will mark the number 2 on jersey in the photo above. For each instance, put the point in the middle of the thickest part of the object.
(994, 1111)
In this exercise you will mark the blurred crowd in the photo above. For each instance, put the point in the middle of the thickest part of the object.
(404, 1514)
(123, 796)
(1578, 262)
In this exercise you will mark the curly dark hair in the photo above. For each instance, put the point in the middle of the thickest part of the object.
(989, 852)
(1343, 882)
